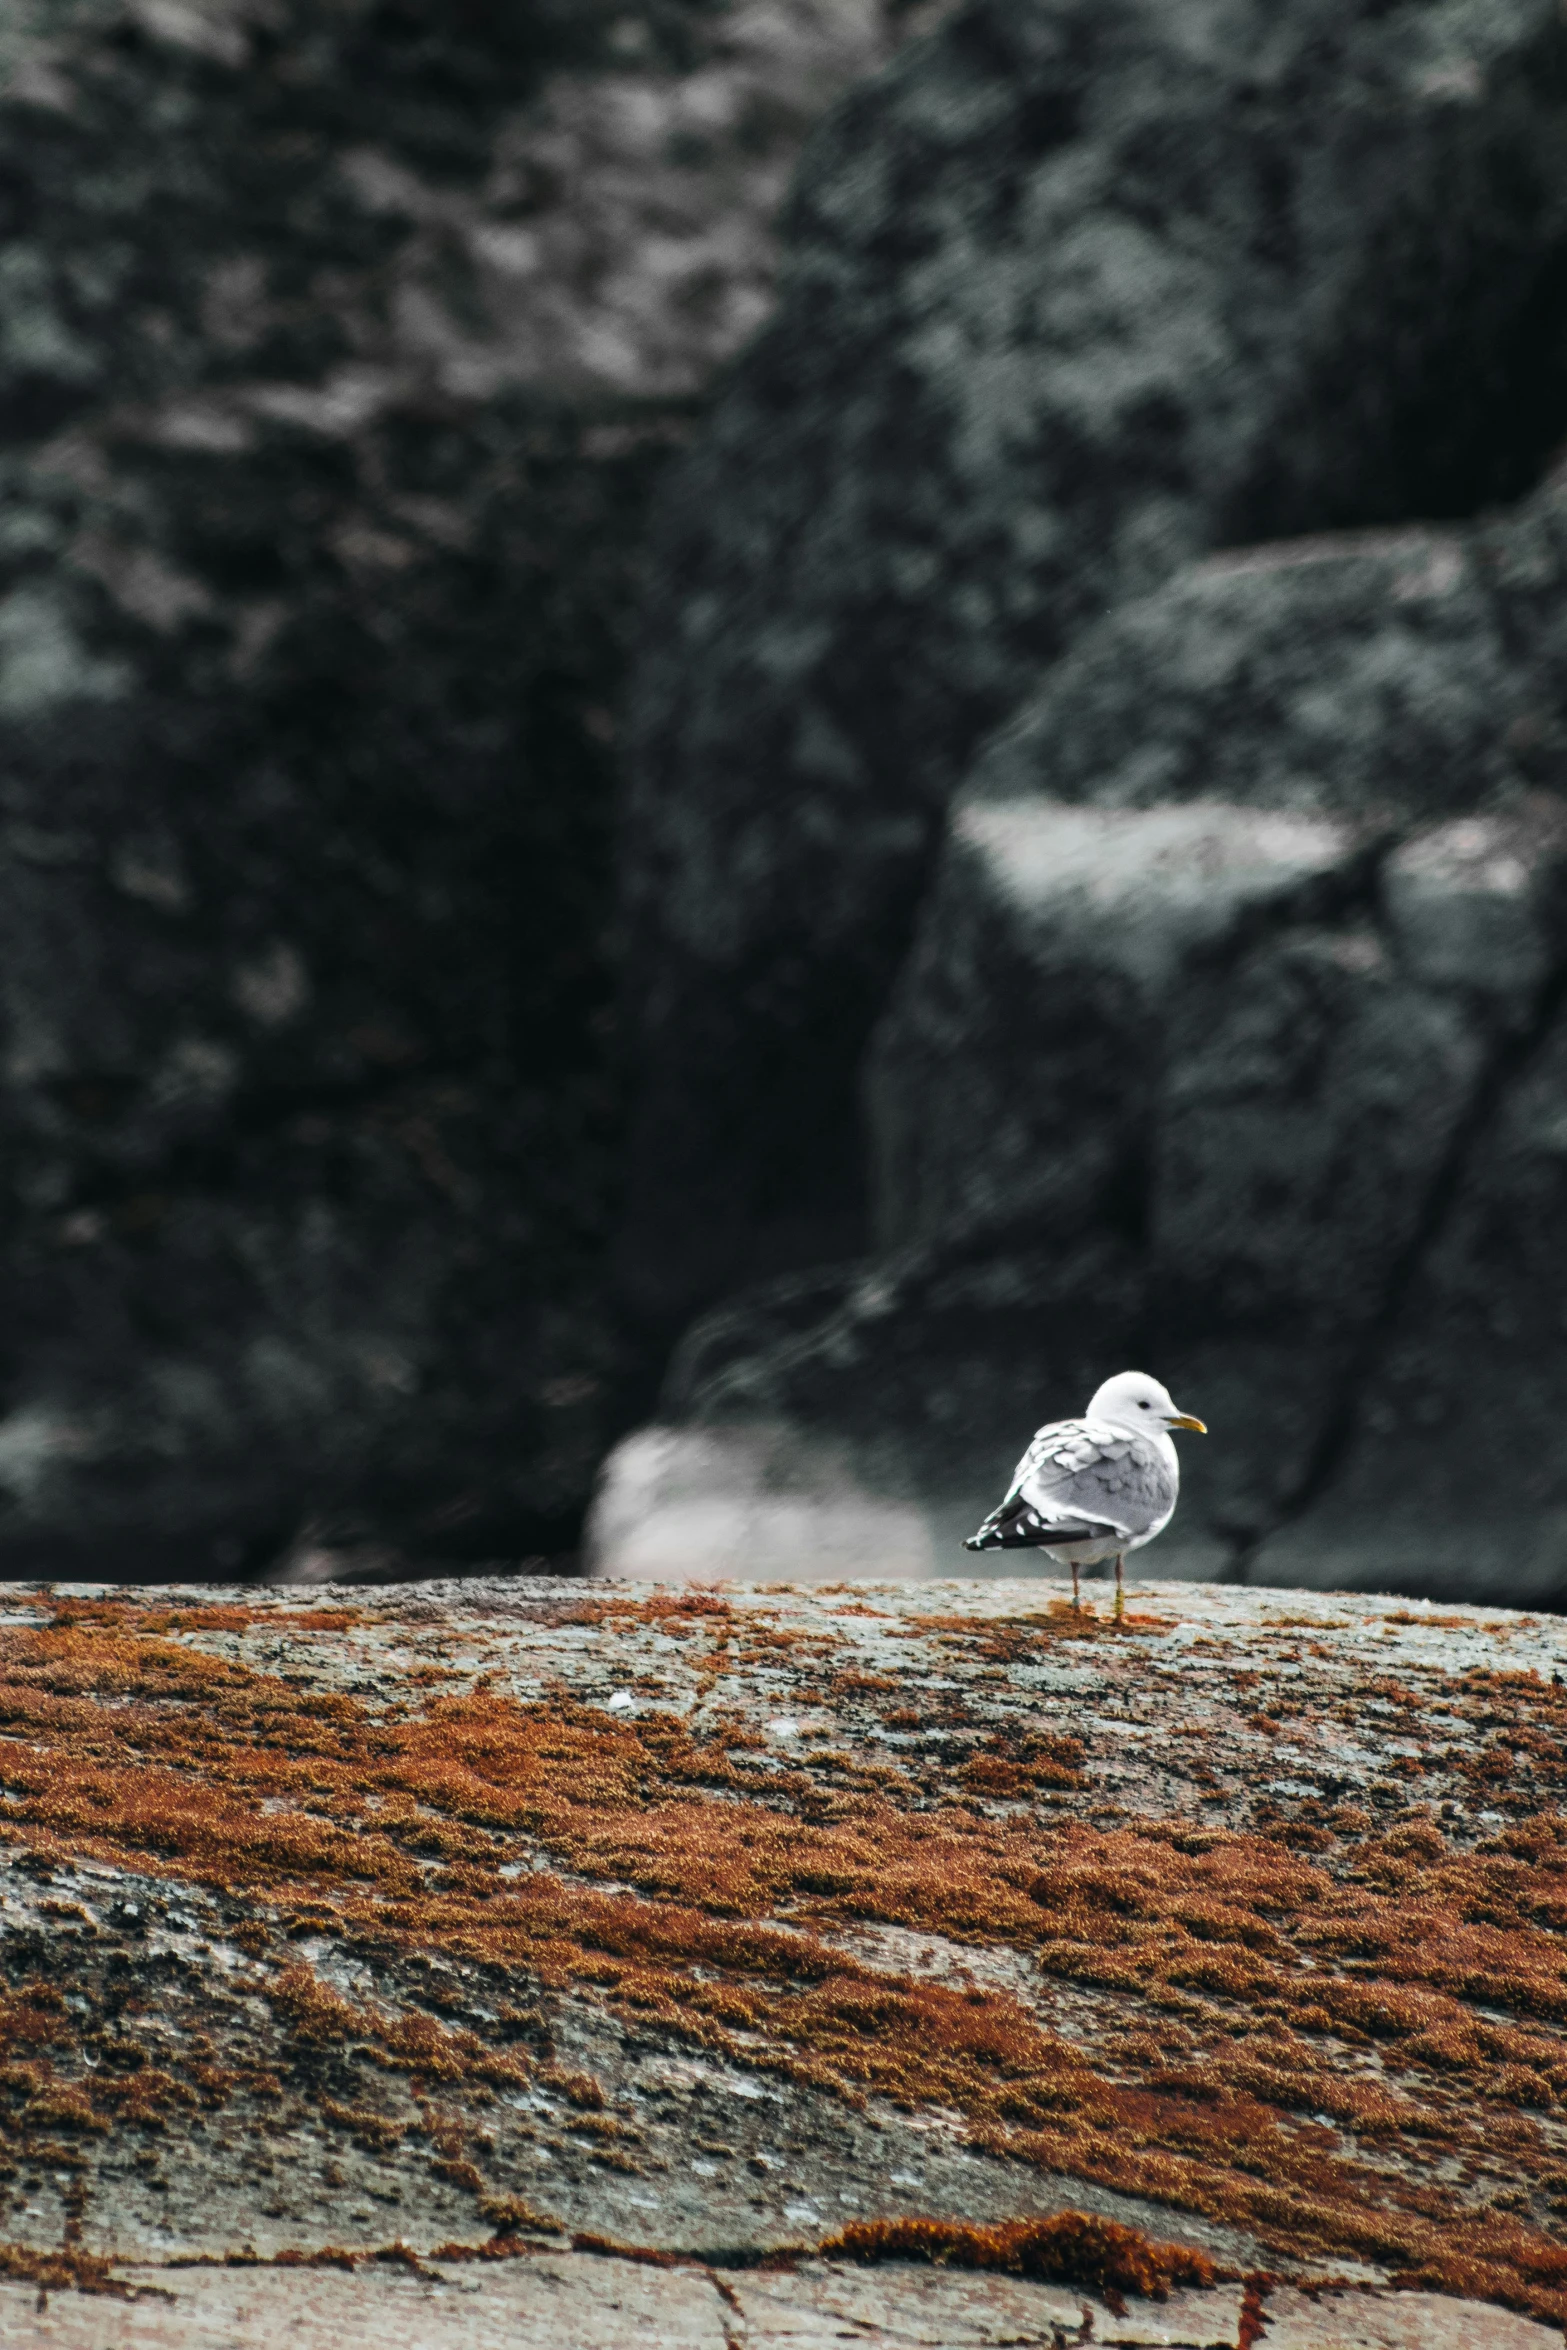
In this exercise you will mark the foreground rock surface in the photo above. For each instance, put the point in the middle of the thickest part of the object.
(609, 2304)
(500, 1927)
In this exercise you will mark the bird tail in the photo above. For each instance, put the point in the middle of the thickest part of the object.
(1017, 1525)
(1011, 1527)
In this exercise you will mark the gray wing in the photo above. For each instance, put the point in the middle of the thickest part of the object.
(1082, 1470)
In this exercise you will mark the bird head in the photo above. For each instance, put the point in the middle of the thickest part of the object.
(1132, 1400)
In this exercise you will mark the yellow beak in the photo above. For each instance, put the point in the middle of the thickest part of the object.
(1185, 1420)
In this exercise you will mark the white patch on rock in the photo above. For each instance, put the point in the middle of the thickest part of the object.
(756, 1504)
(1144, 887)
(43, 662)
(195, 1071)
(214, 29)
(34, 1441)
(150, 871)
(274, 987)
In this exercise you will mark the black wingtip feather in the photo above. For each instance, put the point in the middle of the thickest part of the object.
(1024, 1529)
(1021, 1531)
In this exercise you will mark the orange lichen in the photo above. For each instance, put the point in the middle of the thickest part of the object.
(508, 2215)
(369, 2129)
(578, 2089)
(1023, 1762)
(392, 1828)
(47, 2091)
(1254, 2316)
(677, 1612)
(1007, 1639)
(1068, 2248)
(506, 2244)
(316, 2016)
(67, 2271)
(227, 1616)
(648, 2255)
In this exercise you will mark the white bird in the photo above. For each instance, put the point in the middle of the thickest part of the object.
(1097, 1487)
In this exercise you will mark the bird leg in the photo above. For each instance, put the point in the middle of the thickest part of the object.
(1076, 1597)
(1120, 1588)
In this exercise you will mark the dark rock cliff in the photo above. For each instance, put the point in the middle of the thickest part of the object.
(1227, 1044)
(1072, 294)
(1206, 1012)
(335, 370)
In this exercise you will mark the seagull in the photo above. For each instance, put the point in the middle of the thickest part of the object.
(1097, 1487)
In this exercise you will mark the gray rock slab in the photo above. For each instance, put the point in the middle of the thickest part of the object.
(468, 1938)
(822, 2303)
(562, 2300)
(1359, 673)
(1405, 2321)
(608, 2304)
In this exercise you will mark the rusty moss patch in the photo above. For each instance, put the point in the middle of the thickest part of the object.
(1349, 2037)
(1069, 2248)
(67, 2271)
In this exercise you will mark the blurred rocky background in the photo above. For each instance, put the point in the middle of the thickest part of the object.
(341, 344)
(782, 725)
(1096, 847)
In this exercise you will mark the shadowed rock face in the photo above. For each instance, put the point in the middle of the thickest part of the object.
(499, 1921)
(1202, 1014)
(1226, 1045)
(1072, 296)
(339, 349)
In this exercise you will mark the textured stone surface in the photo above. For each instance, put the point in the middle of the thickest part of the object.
(599, 2304)
(1414, 2321)
(339, 353)
(1072, 295)
(821, 2303)
(602, 2304)
(461, 1930)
